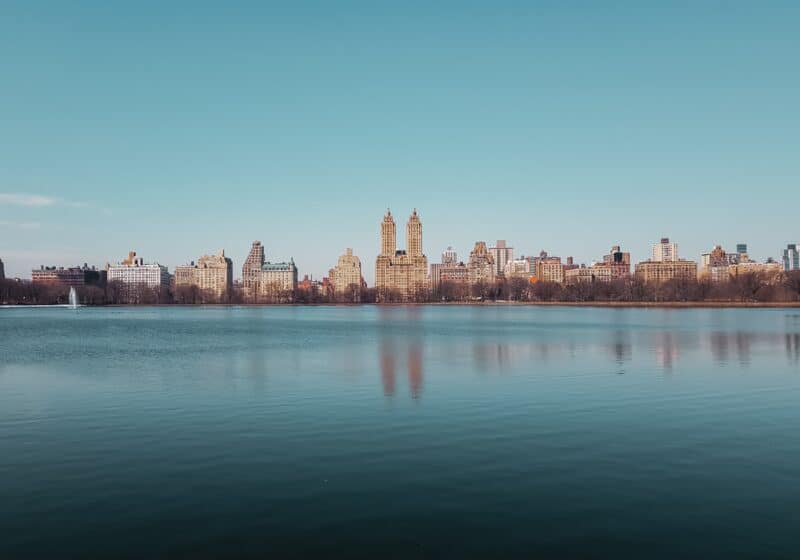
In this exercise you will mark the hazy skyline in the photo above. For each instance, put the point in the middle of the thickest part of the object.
(177, 130)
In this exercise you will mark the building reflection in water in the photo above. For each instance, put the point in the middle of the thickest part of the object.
(400, 339)
(403, 338)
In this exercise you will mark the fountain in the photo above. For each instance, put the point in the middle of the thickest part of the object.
(73, 298)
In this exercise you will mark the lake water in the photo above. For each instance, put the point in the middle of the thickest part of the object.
(399, 432)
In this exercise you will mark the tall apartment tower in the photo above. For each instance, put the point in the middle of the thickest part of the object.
(414, 235)
(251, 269)
(401, 274)
(2, 270)
(665, 251)
(502, 254)
(388, 235)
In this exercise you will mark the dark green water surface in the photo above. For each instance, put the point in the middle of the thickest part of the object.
(405, 432)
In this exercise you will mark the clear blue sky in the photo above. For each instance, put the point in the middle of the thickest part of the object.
(178, 128)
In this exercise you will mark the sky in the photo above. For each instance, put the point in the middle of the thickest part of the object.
(177, 129)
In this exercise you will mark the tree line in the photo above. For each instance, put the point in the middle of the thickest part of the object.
(745, 288)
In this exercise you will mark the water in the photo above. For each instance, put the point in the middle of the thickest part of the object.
(419, 432)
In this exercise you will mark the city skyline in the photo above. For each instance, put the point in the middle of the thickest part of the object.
(525, 122)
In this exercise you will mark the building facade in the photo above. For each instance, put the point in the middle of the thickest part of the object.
(133, 272)
(263, 279)
(502, 254)
(401, 274)
(347, 273)
(664, 251)
(662, 271)
(791, 257)
(212, 274)
(619, 262)
(518, 268)
(482, 267)
(2, 270)
(588, 274)
(549, 269)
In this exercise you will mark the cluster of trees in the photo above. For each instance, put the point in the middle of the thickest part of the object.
(753, 288)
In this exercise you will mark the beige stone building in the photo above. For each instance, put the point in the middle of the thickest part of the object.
(401, 274)
(550, 269)
(481, 265)
(346, 273)
(212, 274)
(596, 273)
(267, 279)
(662, 271)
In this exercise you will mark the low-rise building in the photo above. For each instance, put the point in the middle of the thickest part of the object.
(662, 271)
(520, 268)
(588, 274)
(619, 262)
(75, 276)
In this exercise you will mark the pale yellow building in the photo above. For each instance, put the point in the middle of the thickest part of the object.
(481, 265)
(550, 269)
(212, 274)
(346, 273)
(401, 274)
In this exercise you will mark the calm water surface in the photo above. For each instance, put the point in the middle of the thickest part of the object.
(422, 432)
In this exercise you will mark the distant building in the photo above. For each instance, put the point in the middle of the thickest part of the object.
(347, 273)
(404, 273)
(73, 276)
(212, 274)
(449, 256)
(618, 262)
(770, 272)
(2, 270)
(133, 272)
(251, 269)
(662, 271)
(481, 265)
(454, 274)
(501, 253)
(519, 268)
(588, 274)
(549, 269)
(741, 248)
(665, 251)
(791, 257)
(277, 277)
(261, 278)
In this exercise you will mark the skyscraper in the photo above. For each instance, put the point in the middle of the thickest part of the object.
(501, 254)
(2, 270)
(251, 269)
(400, 274)
(791, 257)
(665, 251)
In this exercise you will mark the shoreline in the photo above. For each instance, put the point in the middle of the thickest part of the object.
(597, 304)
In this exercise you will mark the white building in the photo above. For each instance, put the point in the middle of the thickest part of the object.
(665, 251)
(134, 272)
(517, 267)
(502, 254)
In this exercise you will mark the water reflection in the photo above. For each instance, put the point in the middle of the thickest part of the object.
(407, 339)
(389, 358)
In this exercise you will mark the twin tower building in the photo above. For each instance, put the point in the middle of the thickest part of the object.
(401, 274)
